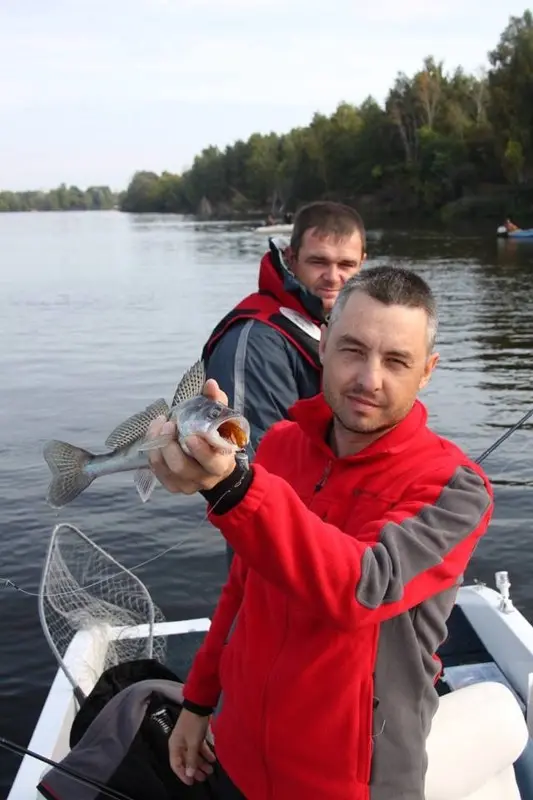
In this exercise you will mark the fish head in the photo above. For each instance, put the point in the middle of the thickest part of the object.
(223, 428)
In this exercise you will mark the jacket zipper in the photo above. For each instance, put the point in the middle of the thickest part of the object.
(325, 475)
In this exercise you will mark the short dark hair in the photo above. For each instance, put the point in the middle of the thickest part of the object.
(329, 219)
(391, 286)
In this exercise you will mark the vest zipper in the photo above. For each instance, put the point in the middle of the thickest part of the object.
(325, 475)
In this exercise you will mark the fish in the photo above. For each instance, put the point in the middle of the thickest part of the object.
(74, 468)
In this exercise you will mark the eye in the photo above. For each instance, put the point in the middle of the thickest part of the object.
(214, 412)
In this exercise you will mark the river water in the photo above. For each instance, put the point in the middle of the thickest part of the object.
(100, 313)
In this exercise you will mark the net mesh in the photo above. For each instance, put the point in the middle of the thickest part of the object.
(83, 588)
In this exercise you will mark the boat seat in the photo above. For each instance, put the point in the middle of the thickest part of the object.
(478, 732)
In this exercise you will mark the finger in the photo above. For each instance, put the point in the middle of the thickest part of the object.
(214, 392)
(176, 756)
(202, 776)
(173, 483)
(207, 753)
(160, 457)
(154, 429)
(191, 761)
(176, 460)
(210, 460)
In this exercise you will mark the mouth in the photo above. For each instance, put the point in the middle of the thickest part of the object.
(232, 432)
(362, 402)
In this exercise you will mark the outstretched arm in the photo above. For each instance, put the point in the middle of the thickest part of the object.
(423, 544)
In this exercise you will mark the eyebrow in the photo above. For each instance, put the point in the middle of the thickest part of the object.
(322, 257)
(346, 338)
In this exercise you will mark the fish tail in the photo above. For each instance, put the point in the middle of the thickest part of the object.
(67, 464)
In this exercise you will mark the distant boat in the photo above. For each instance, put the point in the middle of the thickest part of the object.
(269, 230)
(519, 233)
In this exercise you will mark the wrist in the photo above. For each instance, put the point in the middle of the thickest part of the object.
(195, 708)
(230, 490)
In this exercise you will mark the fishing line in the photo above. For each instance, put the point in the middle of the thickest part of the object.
(505, 436)
(8, 583)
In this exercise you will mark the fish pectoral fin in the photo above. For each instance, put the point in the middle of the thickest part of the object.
(156, 444)
(191, 384)
(136, 426)
(145, 481)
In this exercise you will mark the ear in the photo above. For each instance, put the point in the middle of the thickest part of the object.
(322, 344)
(431, 363)
(288, 255)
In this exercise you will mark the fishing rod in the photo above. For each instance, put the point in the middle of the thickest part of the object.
(84, 779)
(505, 436)
(115, 794)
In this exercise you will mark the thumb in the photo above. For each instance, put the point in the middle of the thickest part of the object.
(213, 391)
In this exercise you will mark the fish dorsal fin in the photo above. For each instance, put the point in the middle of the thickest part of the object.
(136, 426)
(191, 384)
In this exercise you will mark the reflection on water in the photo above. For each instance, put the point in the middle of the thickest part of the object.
(100, 313)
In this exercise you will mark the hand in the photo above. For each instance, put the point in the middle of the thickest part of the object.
(189, 754)
(179, 472)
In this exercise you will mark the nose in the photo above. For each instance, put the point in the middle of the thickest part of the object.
(370, 377)
(332, 274)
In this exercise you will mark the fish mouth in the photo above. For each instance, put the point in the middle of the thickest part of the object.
(235, 432)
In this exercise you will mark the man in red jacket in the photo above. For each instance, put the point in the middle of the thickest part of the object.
(352, 530)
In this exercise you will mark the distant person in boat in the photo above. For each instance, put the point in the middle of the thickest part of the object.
(287, 218)
(265, 351)
(352, 530)
(510, 226)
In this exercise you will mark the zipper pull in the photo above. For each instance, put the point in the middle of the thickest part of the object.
(323, 479)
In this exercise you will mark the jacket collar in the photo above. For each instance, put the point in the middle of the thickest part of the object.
(315, 417)
(276, 278)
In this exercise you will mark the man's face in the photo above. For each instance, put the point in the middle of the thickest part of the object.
(325, 263)
(375, 360)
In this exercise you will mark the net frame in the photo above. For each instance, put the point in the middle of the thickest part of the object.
(128, 603)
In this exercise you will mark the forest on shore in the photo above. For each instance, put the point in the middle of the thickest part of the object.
(448, 144)
(64, 198)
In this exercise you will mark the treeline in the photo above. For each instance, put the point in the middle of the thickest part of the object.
(63, 198)
(454, 142)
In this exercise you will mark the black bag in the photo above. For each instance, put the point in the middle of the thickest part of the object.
(144, 773)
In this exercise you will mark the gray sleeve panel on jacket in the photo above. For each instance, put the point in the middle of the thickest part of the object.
(261, 372)
(422, 541)
(107, 740)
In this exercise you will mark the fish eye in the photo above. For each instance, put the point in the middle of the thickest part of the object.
(214, 412)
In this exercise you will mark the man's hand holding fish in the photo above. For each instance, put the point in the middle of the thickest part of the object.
(180, 473)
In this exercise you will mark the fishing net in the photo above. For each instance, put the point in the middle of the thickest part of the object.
(84, 589)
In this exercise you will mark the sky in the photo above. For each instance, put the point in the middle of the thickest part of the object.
(93, 90)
